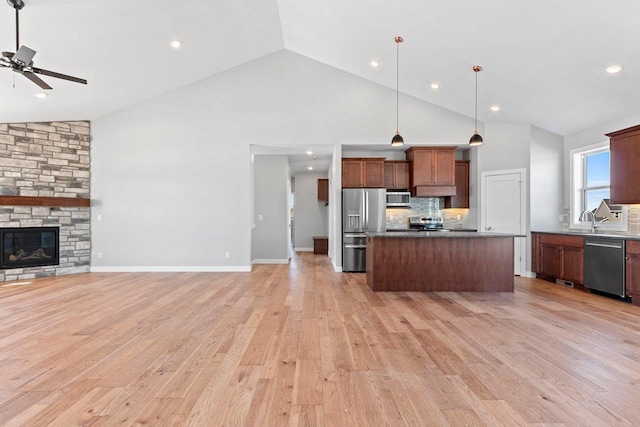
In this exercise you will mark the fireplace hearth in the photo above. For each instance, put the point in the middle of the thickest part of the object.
(29, 247)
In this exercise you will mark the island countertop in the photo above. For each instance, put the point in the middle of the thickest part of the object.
(453, 234)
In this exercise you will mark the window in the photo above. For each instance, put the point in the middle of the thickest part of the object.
(590, 186)
(596, 179)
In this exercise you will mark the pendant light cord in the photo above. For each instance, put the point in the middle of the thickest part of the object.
(476, 116)
(397, 86)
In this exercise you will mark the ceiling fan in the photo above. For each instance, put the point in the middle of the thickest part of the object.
(22, 60)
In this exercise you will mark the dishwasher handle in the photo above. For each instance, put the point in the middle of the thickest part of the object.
(603, 245)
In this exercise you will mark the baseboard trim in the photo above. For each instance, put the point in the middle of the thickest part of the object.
(270, 261)
(171, 269)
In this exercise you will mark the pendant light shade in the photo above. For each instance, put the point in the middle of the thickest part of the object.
(476, 139)
(397, 140)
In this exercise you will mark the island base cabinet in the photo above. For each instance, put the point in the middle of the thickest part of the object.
(434, 264)
(633, 271)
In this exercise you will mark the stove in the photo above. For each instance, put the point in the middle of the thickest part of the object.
(425, 223)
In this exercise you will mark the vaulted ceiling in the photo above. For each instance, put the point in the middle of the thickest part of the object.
(544, 61)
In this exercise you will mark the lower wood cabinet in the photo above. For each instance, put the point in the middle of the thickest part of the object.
(320, 244)
(633, 271)
(558, 256)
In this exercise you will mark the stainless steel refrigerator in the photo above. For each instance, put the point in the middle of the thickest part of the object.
(363, 209)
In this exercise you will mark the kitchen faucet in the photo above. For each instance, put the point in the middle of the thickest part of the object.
(584, 217)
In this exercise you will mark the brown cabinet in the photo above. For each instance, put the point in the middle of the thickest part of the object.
(625, 158)
(362, 173)
(320, 245)
(461, 199)
(558, 256)
(396, 174)
(633, 271)
(432, 171)
(323, 190)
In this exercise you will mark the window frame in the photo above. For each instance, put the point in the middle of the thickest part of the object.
(578, 179)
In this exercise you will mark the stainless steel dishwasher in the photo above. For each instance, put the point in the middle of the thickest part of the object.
(604, 264)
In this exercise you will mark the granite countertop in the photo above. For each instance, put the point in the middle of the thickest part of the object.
(589, 234)
(448, 234)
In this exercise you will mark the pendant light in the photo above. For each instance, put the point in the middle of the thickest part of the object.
(397, 140)
(476, 139)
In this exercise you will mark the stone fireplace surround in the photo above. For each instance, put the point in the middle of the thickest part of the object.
(48, 160)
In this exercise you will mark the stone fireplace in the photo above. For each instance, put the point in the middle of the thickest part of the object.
(45, 184)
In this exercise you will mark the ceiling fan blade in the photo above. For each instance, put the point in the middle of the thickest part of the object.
(58, 75)
(37, 80)
(8, 55)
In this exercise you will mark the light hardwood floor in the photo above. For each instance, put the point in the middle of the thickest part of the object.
(302, 345)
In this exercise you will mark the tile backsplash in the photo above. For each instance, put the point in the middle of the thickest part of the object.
(431, 207)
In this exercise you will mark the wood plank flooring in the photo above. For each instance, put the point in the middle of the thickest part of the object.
(301, 345)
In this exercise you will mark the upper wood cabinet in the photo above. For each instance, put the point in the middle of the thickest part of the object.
(625, 165)
(461, 199)
(396, 174)
(362, 173)
(432, 171)
(323, 189)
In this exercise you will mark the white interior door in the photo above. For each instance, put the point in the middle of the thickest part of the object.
(503, 209)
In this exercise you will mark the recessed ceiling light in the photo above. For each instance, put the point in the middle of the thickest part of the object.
(310, 168)
(374, 64)
(435, 86)
(176, 44)
(40, 95)
(495, 108)
(309, 152)
(613, 69)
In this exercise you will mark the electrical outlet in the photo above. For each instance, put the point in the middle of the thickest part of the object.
(99, 217)
(458, 217)
(99, 255)
(226, 254)
(560, 217)
(259, 217)
(391, 217)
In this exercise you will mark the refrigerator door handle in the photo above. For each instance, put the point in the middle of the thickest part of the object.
(366, 209)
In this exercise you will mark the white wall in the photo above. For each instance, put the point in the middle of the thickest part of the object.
(506, 146)
(522, 146)
(311, 215)
(269, 238)
(587, 137)
(171, 176)
(546, 199)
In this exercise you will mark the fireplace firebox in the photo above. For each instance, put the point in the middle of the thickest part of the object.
(29, 247)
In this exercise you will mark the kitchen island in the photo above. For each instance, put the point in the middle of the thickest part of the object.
(440, 261)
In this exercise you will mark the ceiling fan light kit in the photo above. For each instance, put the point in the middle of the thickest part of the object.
(21, 61)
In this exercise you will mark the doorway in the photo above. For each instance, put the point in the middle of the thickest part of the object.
(504, 209)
